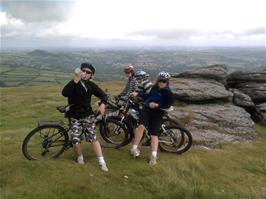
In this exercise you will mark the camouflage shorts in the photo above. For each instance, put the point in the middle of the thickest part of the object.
(86, 129)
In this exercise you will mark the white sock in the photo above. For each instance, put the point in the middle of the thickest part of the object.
(154, 154)
(134, 147)
(80, 157)
(101, 160)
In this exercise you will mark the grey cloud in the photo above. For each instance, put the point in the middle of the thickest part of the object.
(174, 34)
(248, 32)
(255, 31)
(167, 34)
(38, 11)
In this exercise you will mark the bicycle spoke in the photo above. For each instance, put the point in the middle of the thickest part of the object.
(45, 143)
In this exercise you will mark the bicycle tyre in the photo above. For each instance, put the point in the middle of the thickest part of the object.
(45, 142)
(114, 133)
(177, 149)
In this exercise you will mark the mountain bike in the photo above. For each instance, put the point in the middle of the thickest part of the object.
(173, 137)
(51, 138)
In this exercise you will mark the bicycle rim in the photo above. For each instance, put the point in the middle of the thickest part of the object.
(175, 140)
(45, 142)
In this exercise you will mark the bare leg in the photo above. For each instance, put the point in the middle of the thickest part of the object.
(138, 134)
(77, 149)
(154, 147)
(97, 148)
(154, 143)
(98, 151)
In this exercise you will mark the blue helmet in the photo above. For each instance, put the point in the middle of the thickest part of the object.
(140, 73)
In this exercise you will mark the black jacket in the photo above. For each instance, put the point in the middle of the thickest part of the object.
(80, 99)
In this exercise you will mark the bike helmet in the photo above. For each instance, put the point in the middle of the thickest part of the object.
(89, 66)
(163, 76)
(140, 73)
(129, 69)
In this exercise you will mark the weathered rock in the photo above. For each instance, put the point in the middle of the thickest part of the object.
(214, 124)
(262, 109)
(241, 99)
(216, 72)
(199, 90)
(257, 91)
(252, 83)
(255, 75)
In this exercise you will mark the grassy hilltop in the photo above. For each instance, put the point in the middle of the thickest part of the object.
(234, 171)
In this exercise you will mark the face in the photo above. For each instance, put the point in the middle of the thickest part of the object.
(129, 74)
(139, 79)
(162, 83)
(87, 74)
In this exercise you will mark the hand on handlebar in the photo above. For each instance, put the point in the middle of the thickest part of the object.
(101, 109)
(134, 94)
(153, 105)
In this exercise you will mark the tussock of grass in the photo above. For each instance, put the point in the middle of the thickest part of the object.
(233, 171)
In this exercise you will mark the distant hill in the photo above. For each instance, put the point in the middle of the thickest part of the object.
(47, 66)
(38, 52)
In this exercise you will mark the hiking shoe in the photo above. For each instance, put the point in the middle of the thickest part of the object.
(103, 167)
(135, 152)
(153, 161)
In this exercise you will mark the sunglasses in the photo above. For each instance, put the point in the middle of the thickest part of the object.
(86, 71)
(163, 81)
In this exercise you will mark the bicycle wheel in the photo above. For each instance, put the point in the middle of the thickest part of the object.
(169, 122)
(175, 139)
(45, 142)
(114, 133)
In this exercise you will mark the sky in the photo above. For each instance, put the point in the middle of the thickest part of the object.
(110, 23)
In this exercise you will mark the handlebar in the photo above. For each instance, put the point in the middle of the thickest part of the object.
(64, 109)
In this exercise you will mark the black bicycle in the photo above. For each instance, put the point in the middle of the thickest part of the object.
(173, 137)
(51, 138)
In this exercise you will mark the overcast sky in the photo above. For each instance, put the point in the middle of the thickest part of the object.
(90, 23)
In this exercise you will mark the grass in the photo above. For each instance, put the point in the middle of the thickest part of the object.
(234, 171)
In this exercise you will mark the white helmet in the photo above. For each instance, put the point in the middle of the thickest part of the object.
(163, 76)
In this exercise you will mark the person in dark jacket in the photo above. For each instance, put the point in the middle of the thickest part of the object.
(160, 97)
(79, 92)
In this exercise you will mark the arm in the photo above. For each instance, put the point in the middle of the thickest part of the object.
(124, 92)
(99, 93)
(167, 100)
(131, 87)
(68, 89)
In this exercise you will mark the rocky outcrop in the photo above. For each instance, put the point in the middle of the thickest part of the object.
(214, 124)
(243, 100)
(199, 90)
(262, 109)
(252, 83)
(219, 115)
(213, 72)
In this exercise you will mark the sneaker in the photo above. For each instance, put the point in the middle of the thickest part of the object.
(103, 167)
(135, 152)
(153, 161)
(80, 161)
